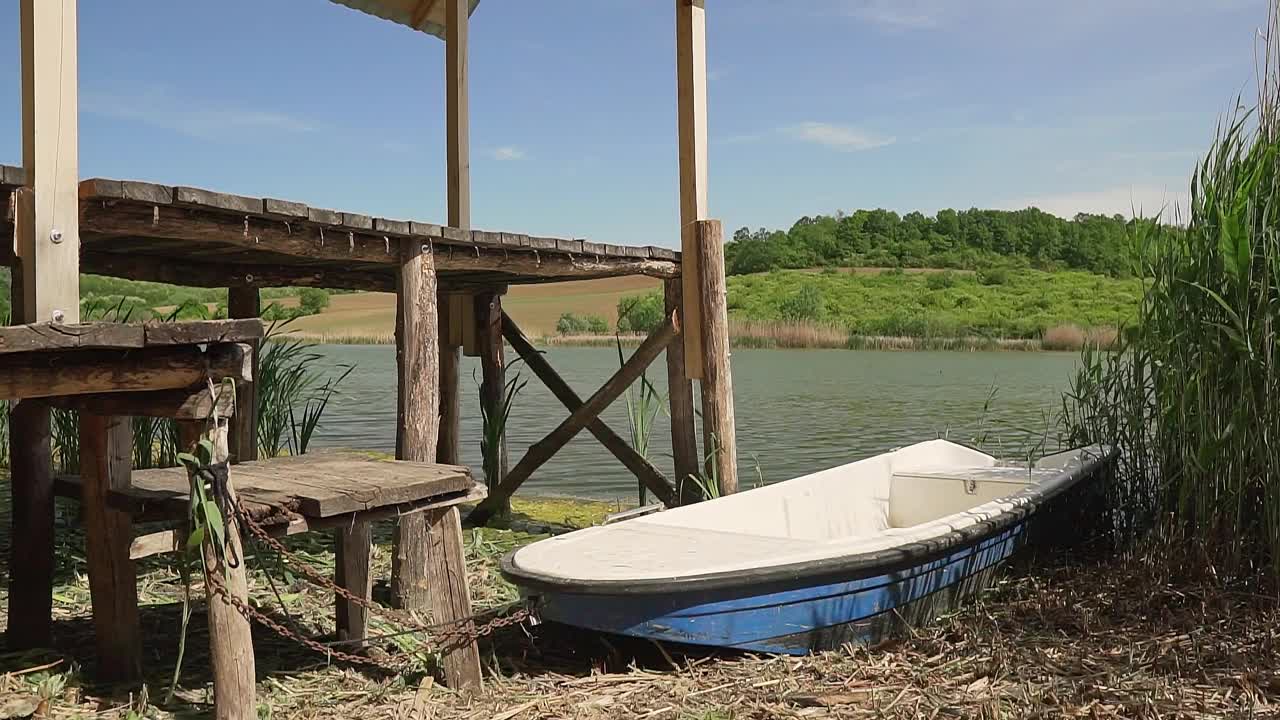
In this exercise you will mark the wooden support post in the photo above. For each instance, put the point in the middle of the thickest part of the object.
(49, 245)
(639, 466)
(447, 450)
(418, 411)
(684, 442)
(691, 112)
(30, 622)
(106, 462)
(450, 598)
(493, 385)
(719, 437)
(352, 547)
(31, 532)
(230, 638)
(245, 302)
(544, 449)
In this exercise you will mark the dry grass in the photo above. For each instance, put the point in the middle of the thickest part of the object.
(370, 317)
(1075, 338)
(1116, 639)
(745, 333)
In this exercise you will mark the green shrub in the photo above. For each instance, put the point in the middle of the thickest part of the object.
(574, 324)
(807, 305)
(940, 281)
(313, 300)
(597, 325)
(641, 313)
(994, 276)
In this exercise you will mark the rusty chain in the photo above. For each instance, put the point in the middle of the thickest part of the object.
(448, 635)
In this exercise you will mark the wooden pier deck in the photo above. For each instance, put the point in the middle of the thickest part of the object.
(129, 229)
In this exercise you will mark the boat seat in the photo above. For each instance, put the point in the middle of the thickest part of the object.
(921, 495)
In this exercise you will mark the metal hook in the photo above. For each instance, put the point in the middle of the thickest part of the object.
(288, 229)
(155, 215)
(321, 236)
(386, 242)
(246, 226)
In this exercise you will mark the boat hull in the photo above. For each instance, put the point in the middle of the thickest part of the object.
(820, 605)
(797, 617)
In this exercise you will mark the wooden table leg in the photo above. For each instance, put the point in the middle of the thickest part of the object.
(105, 464)
(448, 595)
(352, 546)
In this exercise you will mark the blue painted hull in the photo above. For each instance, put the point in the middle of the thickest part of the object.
(794, 616)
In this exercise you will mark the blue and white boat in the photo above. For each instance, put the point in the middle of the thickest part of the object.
(842, 555)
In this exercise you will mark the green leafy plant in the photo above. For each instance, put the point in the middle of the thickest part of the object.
(494, 428)
(644, 402)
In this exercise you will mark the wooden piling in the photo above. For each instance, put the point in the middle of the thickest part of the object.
(488, 317)
(719, 437)
(684, 443)
(353, 544)
(245, 302)
(230, 639)
(449, 596)
(418, 414)
(106, 461)
(31, 542)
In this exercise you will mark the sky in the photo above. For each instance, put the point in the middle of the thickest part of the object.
(814, 106)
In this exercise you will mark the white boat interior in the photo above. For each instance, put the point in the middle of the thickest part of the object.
(915, 493)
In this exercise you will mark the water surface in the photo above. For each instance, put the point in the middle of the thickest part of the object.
(797, 410)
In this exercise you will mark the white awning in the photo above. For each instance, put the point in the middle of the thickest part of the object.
(424, 15)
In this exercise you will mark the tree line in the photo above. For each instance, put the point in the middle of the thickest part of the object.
(960, 239)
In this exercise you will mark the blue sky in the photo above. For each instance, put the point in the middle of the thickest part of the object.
(814, 105)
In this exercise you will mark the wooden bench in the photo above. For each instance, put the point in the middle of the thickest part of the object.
(343, 491)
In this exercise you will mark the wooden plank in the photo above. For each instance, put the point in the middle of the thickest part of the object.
(174, 539)
(417, 408)
(424, 229)
(30, 608)
(230, 640)
(147, 192)
(324, 217)
(12, 176)
(48, 242)
(193, 403)
(662, 253)
(101, 189)
(391, 227)
(353, 547)
(245, 303)
(684, 443)
(356, 220)
(594, 248)
(222, 201)
(639, 466)
(285, 208)
(30, 375)
(57, 336)
(106, 224)
(449, 595)
(203, 331)
(719, 436)
(691, 113)
(106, 453)
(233, 275)
(493, 383)
(549, 445)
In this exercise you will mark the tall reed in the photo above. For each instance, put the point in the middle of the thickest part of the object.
(1192, 397)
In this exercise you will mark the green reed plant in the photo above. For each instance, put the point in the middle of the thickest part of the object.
(1192, 396)
(493, 429)
(644, 402)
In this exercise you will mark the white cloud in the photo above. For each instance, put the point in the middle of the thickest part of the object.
(1128, 200)
(507, 152)
(160, 109)
(839, 137)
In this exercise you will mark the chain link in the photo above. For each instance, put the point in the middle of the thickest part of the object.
(448, 635)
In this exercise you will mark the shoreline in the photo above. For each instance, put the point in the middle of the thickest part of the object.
(832, 341)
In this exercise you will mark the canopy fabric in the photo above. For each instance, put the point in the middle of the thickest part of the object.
(424, 15)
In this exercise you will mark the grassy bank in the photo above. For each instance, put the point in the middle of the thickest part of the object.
(1059, 640)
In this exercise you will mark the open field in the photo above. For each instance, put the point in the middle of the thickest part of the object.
(1065, 639)
(862, 308)
(535, 307)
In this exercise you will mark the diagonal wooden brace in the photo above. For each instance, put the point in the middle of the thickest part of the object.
(588, 411)
(634, 461)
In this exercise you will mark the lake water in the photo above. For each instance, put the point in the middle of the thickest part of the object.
(797, 410)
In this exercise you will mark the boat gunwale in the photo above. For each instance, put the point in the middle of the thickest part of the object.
(862, 564)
